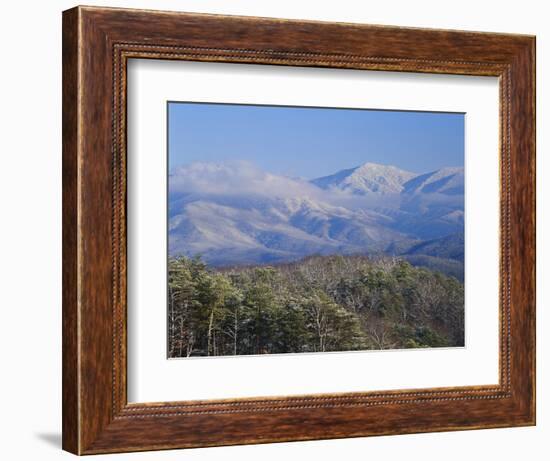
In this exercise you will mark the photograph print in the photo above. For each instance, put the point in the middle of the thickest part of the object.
(313, 229)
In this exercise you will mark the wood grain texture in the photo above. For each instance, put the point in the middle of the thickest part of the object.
(70, 384)
(97, 43)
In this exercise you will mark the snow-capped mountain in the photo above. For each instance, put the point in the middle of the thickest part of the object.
(367, 179)
(373, 178)
(448, 181)
(436, 201)
(236, 214)
(277, 230)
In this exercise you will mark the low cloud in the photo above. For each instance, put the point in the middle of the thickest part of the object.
(236, 178)
(244, 179)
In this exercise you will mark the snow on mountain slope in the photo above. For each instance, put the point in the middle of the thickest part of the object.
(238, 214)
(449, 181)
(367, 179)
(276, 231)
(227, 235)
(436, 195)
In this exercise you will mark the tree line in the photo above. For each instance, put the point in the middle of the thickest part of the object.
(318, 304)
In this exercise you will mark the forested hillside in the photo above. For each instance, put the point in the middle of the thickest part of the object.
(318, 304)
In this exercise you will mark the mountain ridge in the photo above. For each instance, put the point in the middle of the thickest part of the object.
(238, 214)
(367, 178)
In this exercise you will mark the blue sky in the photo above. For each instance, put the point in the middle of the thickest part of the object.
(313, 142)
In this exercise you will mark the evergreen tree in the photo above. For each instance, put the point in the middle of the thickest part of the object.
(319, 304)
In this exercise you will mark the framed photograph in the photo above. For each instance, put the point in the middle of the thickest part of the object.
(281, 230)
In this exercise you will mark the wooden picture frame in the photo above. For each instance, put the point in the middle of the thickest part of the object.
(97, 43)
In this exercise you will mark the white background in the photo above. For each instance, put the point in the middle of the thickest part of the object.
(153, 378)
(30, 244)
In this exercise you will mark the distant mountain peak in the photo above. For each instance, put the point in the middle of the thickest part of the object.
(236, 213)
(448, 180)
(366, 179)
